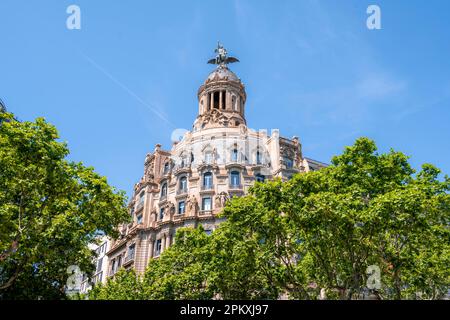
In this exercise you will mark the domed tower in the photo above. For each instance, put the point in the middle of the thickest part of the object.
(221, 98)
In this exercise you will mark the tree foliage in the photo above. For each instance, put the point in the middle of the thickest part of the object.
(50, 210)
(316, 235)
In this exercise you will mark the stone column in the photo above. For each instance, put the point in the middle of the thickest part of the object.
(168, 238)
(220, 99)
(227, 100)
(151, 247)
(211, 101)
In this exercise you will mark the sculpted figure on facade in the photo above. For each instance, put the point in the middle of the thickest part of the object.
(221, 199)
(192, 205)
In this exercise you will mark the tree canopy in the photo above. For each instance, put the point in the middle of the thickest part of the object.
(50, 210)
(366, 224)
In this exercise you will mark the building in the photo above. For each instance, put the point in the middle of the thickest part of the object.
(219, 158)
(101, 265)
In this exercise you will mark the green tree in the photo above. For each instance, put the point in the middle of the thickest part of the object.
(50, 210)
(125, 285)
(316, 235)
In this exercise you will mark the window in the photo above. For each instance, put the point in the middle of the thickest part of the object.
(235, 178)
(208, 231)
(131, 250)
(234, 155)
(161, 213)
(207, 180)
(158, 247)
(206, 204)
(139, 219)
(142, 197)
(164, 190)
(166, 167)
(208, 157)
(260, 178)
(119, 262)
(288, 162)
(183, 184)
(99, 264)
(113, 266)
(258, 157)
(181, 207)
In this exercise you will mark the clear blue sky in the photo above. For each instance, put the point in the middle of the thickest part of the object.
(130, 76)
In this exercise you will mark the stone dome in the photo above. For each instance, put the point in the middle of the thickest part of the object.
(222, 73)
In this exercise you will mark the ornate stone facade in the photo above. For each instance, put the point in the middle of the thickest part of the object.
(189, 185)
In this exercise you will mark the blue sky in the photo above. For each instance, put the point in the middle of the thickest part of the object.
(311, 68)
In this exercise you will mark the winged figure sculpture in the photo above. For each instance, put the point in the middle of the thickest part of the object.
(221, 56)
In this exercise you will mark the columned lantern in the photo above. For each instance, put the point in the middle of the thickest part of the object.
(221, 98)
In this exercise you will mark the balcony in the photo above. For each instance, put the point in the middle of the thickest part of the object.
(129, 259)
(182, 191)
(207, 187)
(234, 186)
(205, 212)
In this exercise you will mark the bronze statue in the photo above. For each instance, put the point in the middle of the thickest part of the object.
(221, 57)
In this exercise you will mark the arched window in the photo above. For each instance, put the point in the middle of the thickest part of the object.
(207, 180)
(164, 190)
(183, 184)
(235, 178)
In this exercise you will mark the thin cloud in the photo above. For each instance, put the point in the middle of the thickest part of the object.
(128, 90)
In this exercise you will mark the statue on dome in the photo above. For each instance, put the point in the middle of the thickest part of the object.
(221, 56)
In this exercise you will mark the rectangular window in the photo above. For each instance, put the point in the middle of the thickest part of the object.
(206, 204)
(207, 180)
(99, 264)
(288, 162)
(131, 252)
(161, 213)
(113, 266)
(234, 155)
(158, 247)
(181, 207)
(139, 219)
(235, 178)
